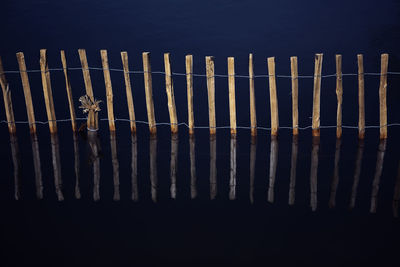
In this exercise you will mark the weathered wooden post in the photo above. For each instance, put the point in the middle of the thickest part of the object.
(69, 91)
(317, 95)
(189, 81)
(27, 92)
(86, 73)
(361, 100)
(339, 95)
(7, 101)
(232, 100)
(253, 117)
(295, 95)
(47, 92)
(382, 96)
(109, 92)
(211, 94)
(129, 97)
(273, 97)
(149, 93)
(169, 86)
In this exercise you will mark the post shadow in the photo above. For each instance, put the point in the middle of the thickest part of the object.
(357, 172)
(55, 154)
(213, 167)
(174, 163)
(335, 178)
(134, 182)
(314, 173)
(293, 167)
(153, 168)
(193, 177)
(37, 166)
(232, 180)
(16, 159)
(273, 163)
(253, 156)
(115, 165)
(95, 153)
(378, 173)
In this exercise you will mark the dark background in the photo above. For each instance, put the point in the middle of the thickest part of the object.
(83, 232)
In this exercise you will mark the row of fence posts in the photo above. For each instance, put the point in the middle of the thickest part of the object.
(93, 124)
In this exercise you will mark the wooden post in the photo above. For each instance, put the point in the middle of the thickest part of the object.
(189, 81)
(339, 95)
(169, 85)
(382, 96)
(361, 105)
(273, 97)
(253, 118)
(295, 95)
(109, 92)
(47, 92)
(149, 92)
(317, 95)
(86, 74)
(27, 92)
(129, 97)
(232, 100)
(211, 94)
(69, 91)
(7, 101)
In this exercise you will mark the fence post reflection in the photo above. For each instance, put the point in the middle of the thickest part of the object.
(314, 173)
(377, 177)
(357, 172)
(135, 191)
(253, 156)
(232, 180)
(273, 162)
(16, 159)
(153, 167)
(213, 166)
(76, 165)
(396, 195)
(95, 152)
(335, 178)
(193, 177)
(174, 163)
(37, 166)
(293, 166)
(115, 164)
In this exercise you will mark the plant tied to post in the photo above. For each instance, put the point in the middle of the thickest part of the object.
(92, 107)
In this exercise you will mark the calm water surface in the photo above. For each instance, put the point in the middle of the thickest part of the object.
(72, 200)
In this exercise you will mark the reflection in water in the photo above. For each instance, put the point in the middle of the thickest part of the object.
(193, 178)
(378, 173)
(314, 172)
(174, 164)
(115, 164)
(95, 151)
(135, 191)
(335, 178)
(293, 165)
(153, 168)
(213, 167)
(77, 166)
(253, 151)
(232, 180)
(17, 165)
(273, 162)
(37, 166)
(55, 153)
(396, 195)
(357, 171)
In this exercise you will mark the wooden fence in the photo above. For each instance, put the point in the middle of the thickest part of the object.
(210, 76)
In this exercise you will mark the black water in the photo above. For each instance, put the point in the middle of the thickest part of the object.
(127, 200)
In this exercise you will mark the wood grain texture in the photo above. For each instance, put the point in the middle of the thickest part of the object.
(169, 87)
(211, 93)
(361, 97)
(189, 85)
(148, 84)
(253, 117)
(273, 97)
(232, 98)
(47, 91)
(382, 96)
(27, 92)
(295, 95)
(69, 91)
(8, 106)
(109, 91)
(339, 95)
(317, 95)
(86, 73)
(128, 89)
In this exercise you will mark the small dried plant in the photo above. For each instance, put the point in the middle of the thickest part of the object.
(87, 104)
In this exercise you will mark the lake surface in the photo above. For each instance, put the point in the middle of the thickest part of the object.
(118, 199)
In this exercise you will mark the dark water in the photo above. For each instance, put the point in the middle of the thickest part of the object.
(123, 200)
